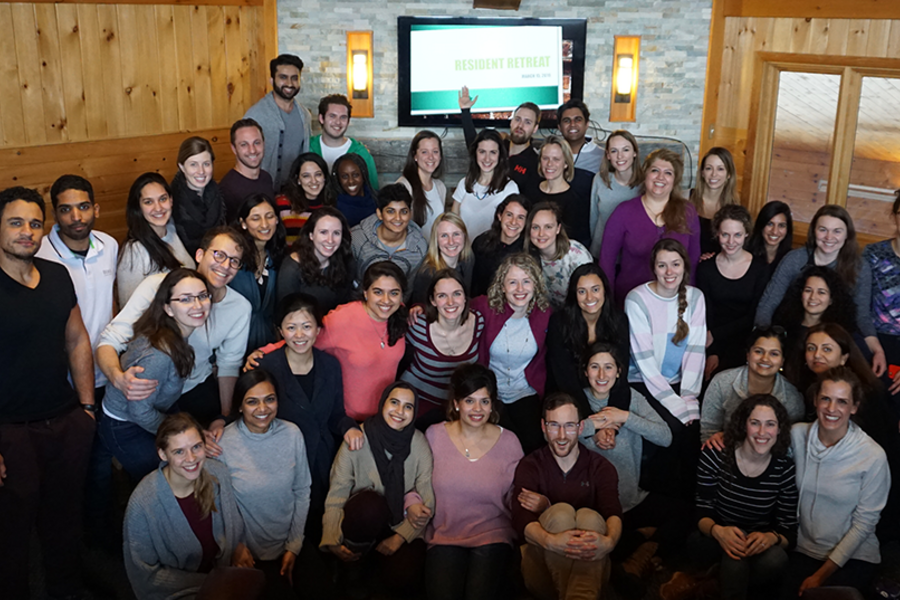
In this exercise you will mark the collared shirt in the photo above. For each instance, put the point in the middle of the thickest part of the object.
(93, 276)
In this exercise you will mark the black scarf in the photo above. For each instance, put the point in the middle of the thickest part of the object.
(383, 440)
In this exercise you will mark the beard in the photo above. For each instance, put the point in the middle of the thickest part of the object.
(279, 91)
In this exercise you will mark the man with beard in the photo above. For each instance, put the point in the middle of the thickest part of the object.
(284, 121)
(334, 117)
(247, 177)
(46, 426)
(566, 508)
(523, 159)
(573, 119)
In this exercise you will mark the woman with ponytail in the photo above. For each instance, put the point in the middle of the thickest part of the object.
(182, 520)
(668, 369)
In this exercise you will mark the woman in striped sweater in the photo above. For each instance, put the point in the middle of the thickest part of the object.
(746, 501)
(666, 367)
(443, 338)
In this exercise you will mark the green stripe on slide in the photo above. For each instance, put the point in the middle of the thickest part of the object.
(449, 100)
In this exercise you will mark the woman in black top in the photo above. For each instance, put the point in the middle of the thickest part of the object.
(198, 203)
(588, 316)
(504, 238)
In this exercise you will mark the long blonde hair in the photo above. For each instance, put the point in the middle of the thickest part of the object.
(433, 258)
(702, 187)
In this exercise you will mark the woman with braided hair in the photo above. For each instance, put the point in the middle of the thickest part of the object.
(667, 368)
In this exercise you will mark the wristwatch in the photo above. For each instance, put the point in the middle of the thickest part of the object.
(92, 408)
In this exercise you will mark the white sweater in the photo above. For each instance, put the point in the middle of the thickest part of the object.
(842, 491)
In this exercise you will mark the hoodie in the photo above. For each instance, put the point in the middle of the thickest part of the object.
(842, 491)
(368, 249)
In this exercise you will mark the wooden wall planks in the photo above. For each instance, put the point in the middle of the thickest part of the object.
(98, 71)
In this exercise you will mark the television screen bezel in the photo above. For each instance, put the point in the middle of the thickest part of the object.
(573, 29)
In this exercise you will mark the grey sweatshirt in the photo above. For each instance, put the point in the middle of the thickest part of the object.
(842, 491)
(643, 423)
(368, 249)
(271, 481)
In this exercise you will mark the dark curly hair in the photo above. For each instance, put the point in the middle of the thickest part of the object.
(736, 428)
(842, 311)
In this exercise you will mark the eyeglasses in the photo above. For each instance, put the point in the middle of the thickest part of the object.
(553, 427)
(233, 261)
(202, 297)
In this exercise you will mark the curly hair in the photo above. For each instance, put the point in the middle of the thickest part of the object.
(497, 295)
(790, 312)
(736, 428)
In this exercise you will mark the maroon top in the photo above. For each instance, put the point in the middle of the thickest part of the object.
(591, 483)
(536, 371)
(203, 529)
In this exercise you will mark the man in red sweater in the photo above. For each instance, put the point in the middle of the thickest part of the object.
(566, 508)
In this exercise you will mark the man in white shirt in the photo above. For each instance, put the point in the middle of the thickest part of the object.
(334, 117)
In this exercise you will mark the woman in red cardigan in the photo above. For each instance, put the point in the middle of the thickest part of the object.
(516, 312)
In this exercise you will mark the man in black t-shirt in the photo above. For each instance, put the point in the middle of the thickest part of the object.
(45, 436)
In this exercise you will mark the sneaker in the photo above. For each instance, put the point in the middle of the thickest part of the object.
(638, 564)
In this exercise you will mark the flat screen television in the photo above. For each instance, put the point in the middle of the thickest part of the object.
(503, 61)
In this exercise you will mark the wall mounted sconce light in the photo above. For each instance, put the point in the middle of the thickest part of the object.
(359, 73)
(623, 97)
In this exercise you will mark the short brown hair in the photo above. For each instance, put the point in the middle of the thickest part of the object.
(339, 99)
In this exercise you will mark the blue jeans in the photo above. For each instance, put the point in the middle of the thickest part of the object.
(458, 573)
(131, 444)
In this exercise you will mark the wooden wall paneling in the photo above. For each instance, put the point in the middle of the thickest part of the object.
(762, 129)
(202, 80)
(218, 74)
(838, 34)
(111, 60)
(92, 73)
(28, 61)
(129, 26)
(879, 36)
(12, 126)
(51, 76)
(254, 3)
(820, 30)
(148, 44)
(258, 62)
(800, 35)
(893, 47)
(187, 113)
(731, 61)
(858, 37)
(234, 81)
(70, 71)
(834, 9)
(714, 65)
(782, 35)
(166, 55)
(844, 136)
(269, 24)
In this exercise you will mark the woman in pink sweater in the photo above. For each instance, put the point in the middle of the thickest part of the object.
(470, 538)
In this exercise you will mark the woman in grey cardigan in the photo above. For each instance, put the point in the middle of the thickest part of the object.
(182, 520)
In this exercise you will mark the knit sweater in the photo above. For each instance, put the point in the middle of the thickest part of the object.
(590, 483)
(355, 471)
(728, 388)
(658, 362)
(558, 272)
(355, 339)
(368, 249)
(271, 483)
(161, 552)
(643, 423)
(767, 502)
(628, 239)
(842, 491)
(472, 498)
(149, 412)
(790, 268)
(269, 116)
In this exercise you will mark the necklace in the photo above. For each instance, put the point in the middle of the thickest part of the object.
(378, 333)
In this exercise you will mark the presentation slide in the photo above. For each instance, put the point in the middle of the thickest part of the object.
(503, 66)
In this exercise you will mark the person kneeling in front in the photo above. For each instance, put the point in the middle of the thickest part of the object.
(567, 508)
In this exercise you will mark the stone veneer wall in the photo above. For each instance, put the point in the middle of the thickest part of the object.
(675, 36)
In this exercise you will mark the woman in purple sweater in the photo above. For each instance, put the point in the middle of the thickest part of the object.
(636, 225)
(470, 538)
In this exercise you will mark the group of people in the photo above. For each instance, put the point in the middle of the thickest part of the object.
(565, 369)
